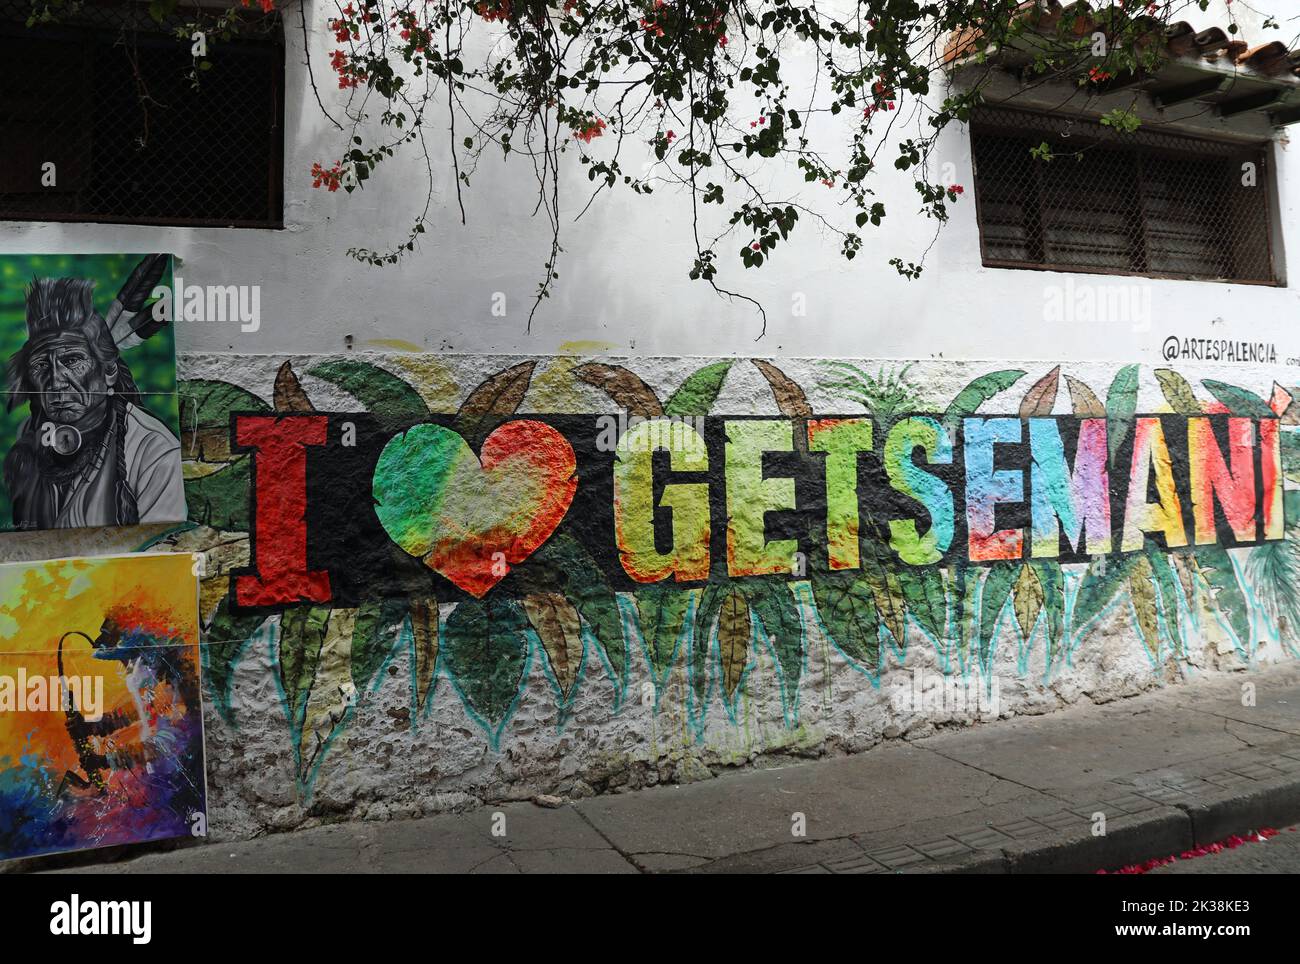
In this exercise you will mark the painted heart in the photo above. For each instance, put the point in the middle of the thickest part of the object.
(472, 518)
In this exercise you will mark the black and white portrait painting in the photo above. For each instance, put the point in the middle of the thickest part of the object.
(90, 427)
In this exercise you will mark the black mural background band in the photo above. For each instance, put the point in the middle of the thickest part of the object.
(346, 538)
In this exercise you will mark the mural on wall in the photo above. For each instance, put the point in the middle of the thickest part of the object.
(479, 536)
(101, 724)
(89, 431)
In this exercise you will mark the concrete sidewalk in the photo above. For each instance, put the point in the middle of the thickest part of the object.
(1168, 770)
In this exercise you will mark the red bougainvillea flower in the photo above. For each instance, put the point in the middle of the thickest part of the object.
(330, 178)
(494, 10)
(1204, 850)
(756, 246)
(593, 128)
(650, 25)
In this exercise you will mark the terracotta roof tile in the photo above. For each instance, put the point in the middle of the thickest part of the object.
(1269, 58)
(1181, 39)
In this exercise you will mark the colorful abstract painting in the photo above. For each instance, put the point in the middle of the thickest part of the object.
(101, 724)
(89, 428)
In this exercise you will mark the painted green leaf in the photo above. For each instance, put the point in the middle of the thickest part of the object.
(331, 695)
(1142, 591)
(1027, 599)
(559, 628)
(887, 590)
(1163, 573)
(706, 613)
(1121, 404)
(225, 639)
(927, 598)
(733, 642)
(661, 612)
(1040, 398)
(1178, 393)
(205, 407)
(378, 627)
(624, 387)
(976, 394)
(1051, 578)
(381, 392)
(775, 608)
(966, 580)
(584, 584)
(1237, 400)
(697, 394)
(423, 620)
(999, 582)
(1101, 583)
(847, 610)
(1290, 440)
(790, 398)
(1216, 567)
(210, 401)
(220, 500)
(485, 648)
(1273, 571)
(497, 396)
(1291, 507)
(1083, 400)
(287, 395)
(302, 633)
(1185, 566)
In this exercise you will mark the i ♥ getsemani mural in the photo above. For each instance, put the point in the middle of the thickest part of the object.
(747, 546)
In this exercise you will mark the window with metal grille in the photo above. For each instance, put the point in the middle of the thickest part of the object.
(137, 130)
(1149, 203)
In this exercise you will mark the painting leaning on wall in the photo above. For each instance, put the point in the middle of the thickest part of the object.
(101, 723)
(89, 427)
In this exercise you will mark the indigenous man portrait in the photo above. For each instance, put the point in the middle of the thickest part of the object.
(89, 453)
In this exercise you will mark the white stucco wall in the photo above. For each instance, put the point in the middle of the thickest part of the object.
(624, 271)
(624, 290)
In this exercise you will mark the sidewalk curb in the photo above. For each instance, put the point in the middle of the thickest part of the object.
(1128, 839)
(1270, 804)
(1139, 837)
(1132, 838)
